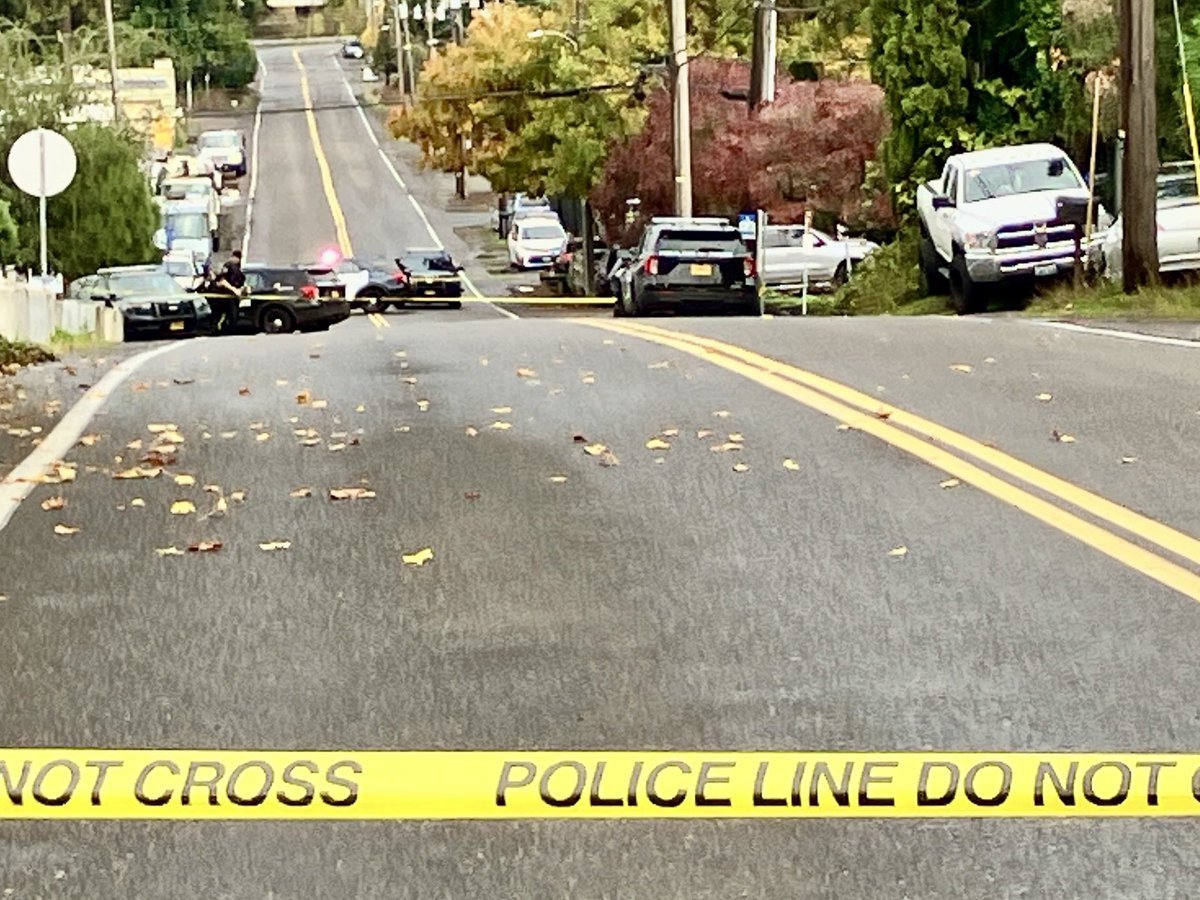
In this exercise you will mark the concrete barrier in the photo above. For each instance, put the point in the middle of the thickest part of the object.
(30, 312)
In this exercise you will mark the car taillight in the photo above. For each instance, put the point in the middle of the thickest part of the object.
(309, 291)
(748, 266)
(652, 265)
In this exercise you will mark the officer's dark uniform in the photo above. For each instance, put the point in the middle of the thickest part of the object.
(225, 304)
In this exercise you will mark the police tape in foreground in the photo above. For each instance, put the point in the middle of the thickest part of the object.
(200, 784)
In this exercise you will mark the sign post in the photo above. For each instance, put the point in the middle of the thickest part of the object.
(42, 164)
(806, 243)
(760, 256)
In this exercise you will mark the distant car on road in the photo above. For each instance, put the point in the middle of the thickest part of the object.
(225, 149)
(419, 275)
(353, 49)
(827, 260)
(185, 266)
(151, 302)
(700, 262)
(535, 242)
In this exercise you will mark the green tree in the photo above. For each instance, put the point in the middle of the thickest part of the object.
(201, 36)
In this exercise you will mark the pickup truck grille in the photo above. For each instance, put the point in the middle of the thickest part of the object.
(1034, 235)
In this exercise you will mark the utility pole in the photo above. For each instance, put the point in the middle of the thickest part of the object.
(409, 76)
(1139, 121)
(401, 71)
(682, 109)
(762, 67)
(112, 59)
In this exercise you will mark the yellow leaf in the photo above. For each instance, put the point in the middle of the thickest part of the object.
(419, 558)
(400, 354)
(791, 465)
(54, 503)
(263, 436)
(722, 414)
(171, 437)
(138, 472)
(741, 467)
(558, 479)
(319, 404)
(65, 473)
(962, 367)
(657, 444)
(949, 483)
(670, 432)
(1044, 397)
(237, 496)
(65, 529)
(472, 431)
(134, 445)
(137, 501)
(501, 426)
(989, 359)
(274, 545)
(594, 449)
(589, 378)
(183, 508)
(168, 551)
(659, 365)
(302, 492)
(89, 440)
(704, 432)
(185, 480)
(334, 448)
(1129, 459)
(360, 408)
(501, 410)
(310, 442)
(423, 405)
(843, 427)
(899, 551)
(737, 438)
(228, 434)
(160, 427)
(524, 372)
(352, 493)
(280, 382)
(726, 447)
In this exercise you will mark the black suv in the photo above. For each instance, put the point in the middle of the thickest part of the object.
(152, 303)
(701, 262)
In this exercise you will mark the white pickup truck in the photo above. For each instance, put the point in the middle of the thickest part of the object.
(994, 217)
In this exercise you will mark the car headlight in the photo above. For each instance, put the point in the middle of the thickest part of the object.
(979, 240)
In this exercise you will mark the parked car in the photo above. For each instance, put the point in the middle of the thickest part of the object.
(993, 217)
(1178, 217)
(419, 275)
(186, 267)
(353, 49)
(225, 149)
(151, 302)
(535, 242)
(687, 262)
(283, 299)
(186, 226)
(827, 260)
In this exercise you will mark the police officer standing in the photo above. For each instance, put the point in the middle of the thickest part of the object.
(227, 288)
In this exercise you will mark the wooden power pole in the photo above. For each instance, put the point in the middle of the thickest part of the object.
(762, 65)
(1139, 120)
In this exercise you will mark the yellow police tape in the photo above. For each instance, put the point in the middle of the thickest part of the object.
(249, 784)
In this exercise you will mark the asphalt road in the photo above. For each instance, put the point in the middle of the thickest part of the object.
(667, 602)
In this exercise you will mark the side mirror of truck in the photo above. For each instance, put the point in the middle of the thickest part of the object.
(941, 201)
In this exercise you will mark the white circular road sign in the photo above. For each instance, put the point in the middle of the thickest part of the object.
(42, 163)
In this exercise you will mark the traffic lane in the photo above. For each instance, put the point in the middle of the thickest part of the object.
(1119, 399)
(658, 605)
(292, 221)
(673, 860)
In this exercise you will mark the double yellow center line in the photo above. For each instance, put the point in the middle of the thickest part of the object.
(932, 443)
(339, 218)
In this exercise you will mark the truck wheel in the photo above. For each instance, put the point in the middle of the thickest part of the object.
(968, 297)
(932, 282)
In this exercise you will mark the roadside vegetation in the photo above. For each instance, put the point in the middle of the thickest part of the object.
(15, 354)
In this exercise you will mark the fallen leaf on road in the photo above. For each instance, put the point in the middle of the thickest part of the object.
(319, 404)
(483, 360)
(899, 551)
(183, 381)
(243, 392)
(163, 449)
(1044, 397)
(472, 431)
(726, 447)
(137, 501)
(471, 495)
(334, 448)
(791, 465)
(401, 354)
(1127, 460)
(263, 436)
(657, 444)
(138, 472)
(257, 426)
(281, 382)
(351, 493)
(989, 359)
(168, 551)
(501, 410)
(579, 439)
(54, 503)
(588, 378)
(670, 432)
(609, 459)
(705, 432)
(741, 467)
(524, 372)
(205, 547)
(409, 380)
(183, 508)
(304, 398)
(737, 438)
(1061, 437)
(204, 435)
(962, 367)
(402, 429)
(419, 558)
(843, 427)
(949, 483)
(665, 364)
(89, 440)
(558, 479)
(227, 435)
(423, 405)
(594, 449)
(608, 342)
(211, 489)
(310, 442)
(65, 529)
(722, 414)
(884, 414)
(274, 545)
(185, 480)
(139, 386)
(302, 492)
(360, 408)
(501, 426)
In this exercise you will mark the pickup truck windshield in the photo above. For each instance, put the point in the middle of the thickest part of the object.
(713, 241)
(1019, 178)
(188, 225)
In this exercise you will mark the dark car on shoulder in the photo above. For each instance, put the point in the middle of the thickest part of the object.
(692, 263)
(419, 276)
(151, 302)
(282, 299)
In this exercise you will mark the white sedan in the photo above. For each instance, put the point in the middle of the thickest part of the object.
(827, 260)
(535, 242)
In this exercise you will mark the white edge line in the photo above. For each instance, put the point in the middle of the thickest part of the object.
(1125, 335)
(404, 187)
(20, 482)
(262, 82)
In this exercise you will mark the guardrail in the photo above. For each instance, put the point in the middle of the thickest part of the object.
(31, 312)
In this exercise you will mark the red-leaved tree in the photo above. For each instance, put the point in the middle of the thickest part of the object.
(807, 150)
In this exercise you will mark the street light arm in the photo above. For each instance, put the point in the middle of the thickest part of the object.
(539, 33)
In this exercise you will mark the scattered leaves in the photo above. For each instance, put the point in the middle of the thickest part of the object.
(595, 449)
(737, 437)
(705, 432)
(524, 372)
(472, 431)
(334, 448)
(319, 404)
(419, 558)
(185, 480)
(949, 483)
(161, 427)
(726, 447)
(205, 547)
(1045, 397)
(227, 435)
(722, 414)
(183, 508)
(1061, 437)
(558, 479)
(423, 405)
(62, 529)
(657, 444)
(471, 495)
(588, 377)
(1128, 460)
(665, 364)
(741, 467)
(137, 501)
(579, 439)
(501, 410)
(791, 465)
(963, 368)
(89, 440)
(138, 472)
(304, 398)
(409, 380)
(168, 551)
(54, 503)
(843, 427)
(670, 432)
(608, 459)
(274, 545)
(351, 493)
(501, 426)
(302, 492)
(183, 381)
(263, 436)
(899, 551)
(360, 408)
(884, 414)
